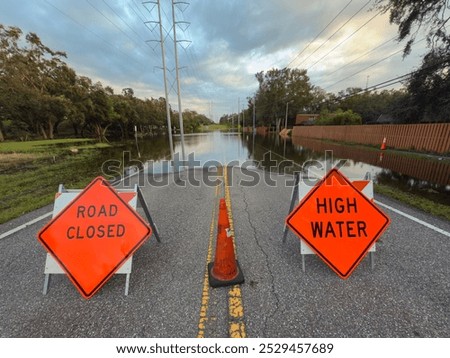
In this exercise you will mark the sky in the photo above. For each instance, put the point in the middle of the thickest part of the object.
(221, 44)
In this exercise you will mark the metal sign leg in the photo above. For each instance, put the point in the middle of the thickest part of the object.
(293, 200)
(147, 214)
(46, 282)
(127, 283)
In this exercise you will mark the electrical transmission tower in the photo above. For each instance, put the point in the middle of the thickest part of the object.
(152, 26)
(177, 68)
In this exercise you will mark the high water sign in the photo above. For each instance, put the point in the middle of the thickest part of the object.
(338, 222)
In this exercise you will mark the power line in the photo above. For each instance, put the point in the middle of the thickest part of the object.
(125, 22)
(110, 21)
(334, 33)
(315, 38)
(363, 55)
(392, 81)
(373, 64)
(92, 32)
(139, 9)
(347, 38)
(142, 18)
(366, 68)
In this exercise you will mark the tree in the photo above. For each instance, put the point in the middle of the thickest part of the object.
(9, 53)
(339, 118)
(125, 114)
(33, 82)
(431, 82)
(371, 104)
(100, 111)
(193, 120)
(277, 88)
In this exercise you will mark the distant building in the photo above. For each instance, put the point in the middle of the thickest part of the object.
(305, 119)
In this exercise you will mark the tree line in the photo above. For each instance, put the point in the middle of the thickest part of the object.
(40, 93)
(289, 91)
(424, 98)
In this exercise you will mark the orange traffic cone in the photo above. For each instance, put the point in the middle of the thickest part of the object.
(225, 270)
(224, 222)
(383, 145)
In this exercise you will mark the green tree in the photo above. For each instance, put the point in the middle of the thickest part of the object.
(338, 117)
(277, 88)
(125, 114)
(100, 111)
(33, 82)
(371, 104)
(430, 84)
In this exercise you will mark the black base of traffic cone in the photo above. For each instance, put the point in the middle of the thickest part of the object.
(214, 282)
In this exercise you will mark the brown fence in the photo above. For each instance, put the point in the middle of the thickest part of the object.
(419, 137)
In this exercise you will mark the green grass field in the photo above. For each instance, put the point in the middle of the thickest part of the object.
(416, 201)
(30, 172)
(48, 146)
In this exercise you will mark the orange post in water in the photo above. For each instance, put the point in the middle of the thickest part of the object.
(225, 270)
(383, 144)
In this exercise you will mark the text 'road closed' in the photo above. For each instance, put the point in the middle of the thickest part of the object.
(96, 231)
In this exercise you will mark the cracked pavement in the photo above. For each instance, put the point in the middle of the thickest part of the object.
(406, 295)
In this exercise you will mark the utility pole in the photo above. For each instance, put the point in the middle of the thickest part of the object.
(243, 119)
(210, 111)
(254, 114)
(239, 112)
(285, 122)
(166, 92)
(180, 114)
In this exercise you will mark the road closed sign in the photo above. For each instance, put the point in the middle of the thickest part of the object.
(94, 235)
(338, 222)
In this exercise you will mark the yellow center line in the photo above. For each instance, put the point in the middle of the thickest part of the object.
(236, 324)
(205, 292)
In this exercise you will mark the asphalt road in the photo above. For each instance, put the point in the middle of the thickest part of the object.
(407, 294)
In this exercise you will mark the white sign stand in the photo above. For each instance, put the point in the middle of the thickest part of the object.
(63, 198)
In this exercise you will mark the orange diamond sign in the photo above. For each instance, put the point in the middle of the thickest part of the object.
(338, 222)
(93, 236)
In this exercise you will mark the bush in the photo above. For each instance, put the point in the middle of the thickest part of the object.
(339, 118)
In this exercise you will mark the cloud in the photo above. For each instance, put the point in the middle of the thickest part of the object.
(229, 42)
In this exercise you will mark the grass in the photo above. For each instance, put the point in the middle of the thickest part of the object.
(403, 152)
(24, 191)
(39, 146)
(416, 201)
(31, 172)
(8, 160)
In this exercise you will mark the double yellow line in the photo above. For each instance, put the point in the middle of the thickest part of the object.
(236, 322)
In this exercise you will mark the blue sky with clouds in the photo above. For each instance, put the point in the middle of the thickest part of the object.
(223, 43)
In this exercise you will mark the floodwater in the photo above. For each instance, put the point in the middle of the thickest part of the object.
(427, 176)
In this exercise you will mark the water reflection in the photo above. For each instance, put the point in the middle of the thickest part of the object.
(421, 175)
(425, 176)
(433, 171)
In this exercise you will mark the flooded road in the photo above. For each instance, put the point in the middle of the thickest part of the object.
(427, 176)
